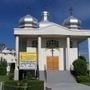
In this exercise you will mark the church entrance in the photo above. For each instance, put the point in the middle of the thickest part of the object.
(52, 63)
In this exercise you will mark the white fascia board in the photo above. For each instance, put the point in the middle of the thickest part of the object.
(52, 31)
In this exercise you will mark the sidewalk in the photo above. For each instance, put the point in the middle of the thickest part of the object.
(67, 86)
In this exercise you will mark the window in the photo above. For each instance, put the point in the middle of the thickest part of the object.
(34, 43)
(71, 44)
(23, 45)
(52, 44)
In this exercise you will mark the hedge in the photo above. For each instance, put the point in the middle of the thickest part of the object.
(2, 70)
(24, 85)
(3, 78)
(82, 79)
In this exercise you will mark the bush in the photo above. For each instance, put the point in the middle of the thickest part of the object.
(21, 85)
(3, 78)
(2, 71)
(3, 65)
(11, 76)
(82, 57)
(80, 67)
(85, 79)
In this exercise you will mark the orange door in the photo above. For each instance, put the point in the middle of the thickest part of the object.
(52, 63)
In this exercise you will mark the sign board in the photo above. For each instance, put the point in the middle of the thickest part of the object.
(26, 56)
(27, 60)
(28, 65)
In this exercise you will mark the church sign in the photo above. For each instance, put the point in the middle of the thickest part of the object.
(27, 60)
(28, 56)
(27, 65)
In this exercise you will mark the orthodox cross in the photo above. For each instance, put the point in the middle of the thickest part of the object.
(52, 50)
(28, 9)
(70, 7)
(71, 11)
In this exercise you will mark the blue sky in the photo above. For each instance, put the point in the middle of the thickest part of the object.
(12, 10)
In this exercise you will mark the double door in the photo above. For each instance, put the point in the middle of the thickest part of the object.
(52, 63)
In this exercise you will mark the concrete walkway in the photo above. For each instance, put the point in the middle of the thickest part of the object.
(63, 80)
(66, 86)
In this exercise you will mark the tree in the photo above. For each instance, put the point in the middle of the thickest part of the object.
(2, 46)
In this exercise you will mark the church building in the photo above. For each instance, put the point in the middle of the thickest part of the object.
(46, 45)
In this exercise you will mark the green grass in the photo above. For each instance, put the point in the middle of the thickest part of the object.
(3, 78)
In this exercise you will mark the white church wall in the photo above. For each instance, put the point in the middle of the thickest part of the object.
(29, 48)
(56, 52)
(61, 59)
(48, 52)
(73, 56)
(43, 55)
(41, 61)
(32, 50)
(62, 45)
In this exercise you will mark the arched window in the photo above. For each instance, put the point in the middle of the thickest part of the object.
(52, 44)
(34, 43)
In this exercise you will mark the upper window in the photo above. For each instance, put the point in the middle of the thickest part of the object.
(71, 44)
(23, 45)
(34, 43)
(52, 44)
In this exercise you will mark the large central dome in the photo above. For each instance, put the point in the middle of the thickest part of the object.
(28, 21)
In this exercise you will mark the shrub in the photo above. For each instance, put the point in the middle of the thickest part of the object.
(21, 85)
(85, 79)
(80, 67)
(3, 78)
(3, 65)
(11, 76)
(82, 57)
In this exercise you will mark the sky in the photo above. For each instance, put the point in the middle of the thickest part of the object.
(12, 10)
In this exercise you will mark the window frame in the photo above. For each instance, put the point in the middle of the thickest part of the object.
(34, 43)
(52, 43)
